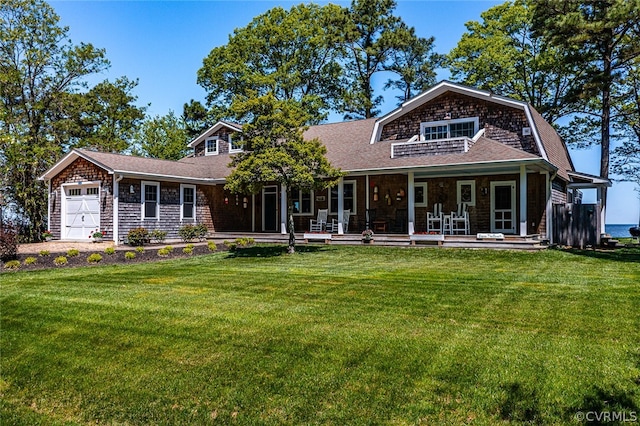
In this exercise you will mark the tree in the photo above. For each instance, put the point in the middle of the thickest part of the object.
(291, 55)
(602, 37)
(163, 137)
(275, 151)
(626, 157)
(37, 66)
(196, 119)
(502, 54)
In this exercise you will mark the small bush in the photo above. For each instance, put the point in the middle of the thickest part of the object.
(44, 253)
(212, 246)
(30, 260)
(191, 246)
(163, 252)
(12, 264)
(188, 250)
(139, 249)
(94, 258)
(138, 236)
(245, 242)
(60, 261)
(73, 252)
(158, 236)
(201, 231)
(187, 232)
(8, 242)
(130, 255)
(170, 248)
(109, 251)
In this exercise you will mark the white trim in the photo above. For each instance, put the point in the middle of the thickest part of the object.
(523, 200)
(536, 134)
(143, 200)
(283, 209)
(459, 184)
(116, 208)
(423, 124)
(411, 208)
(214, 128)
(206, 146)
(269, 189)
(230, 141)
(63, 203)
(355, 197)
(312, 200)
(423, 185)
(49, 206)
(184, 186)
(493, 185)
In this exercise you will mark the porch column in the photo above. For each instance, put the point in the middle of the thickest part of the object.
(116, 192)
(253, 212)
(523, 200)
(601, 221)
(48, 207)
(549, 208)
(340, 205)
(412, 207)
(283, 209)
(366, 192)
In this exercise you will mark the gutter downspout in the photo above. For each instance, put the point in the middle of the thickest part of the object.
(549, 213)
(116, 208)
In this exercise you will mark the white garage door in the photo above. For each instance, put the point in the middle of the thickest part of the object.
(82, 211)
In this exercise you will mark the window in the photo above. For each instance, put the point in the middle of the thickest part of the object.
(302, 201)
(463, 127)
(348, 195)
(420, 194)
(466, 192)
(211, 146)
(74, 192)
(150, 200)
(92, 191)
(187, 202)
(238, 146)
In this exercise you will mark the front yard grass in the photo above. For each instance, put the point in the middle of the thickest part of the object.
(330, 335)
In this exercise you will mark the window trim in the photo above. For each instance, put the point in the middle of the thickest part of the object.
(425, 124)
(183, 186)
(233, 150)
(312, 198)
(206, 146)
(143, 200)
(423, 185)
(355, 197)
(459, 184)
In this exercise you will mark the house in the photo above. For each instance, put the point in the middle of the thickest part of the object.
(450, 145)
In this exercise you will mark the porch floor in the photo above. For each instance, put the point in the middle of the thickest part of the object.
(510, 242)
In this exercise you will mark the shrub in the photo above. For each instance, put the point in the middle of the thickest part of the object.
(60, 261)
(188, 250)
(44, 253)
(8, 242)
(201, 231)
(239, 243)
(170, 248)
(47, 234)
(231, 245)
(73, 252)
(130, 255)
(138, 236)
(212, 246)
(191, 246)
(158, 236)
(30, 260)
(187, 232)
(12, 264)
(109, 251)
(140, 249)
(94, 258)
(163, 252)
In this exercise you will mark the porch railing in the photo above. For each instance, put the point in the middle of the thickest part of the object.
(431, 147)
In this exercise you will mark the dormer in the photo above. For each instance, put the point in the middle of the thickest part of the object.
(221, 138)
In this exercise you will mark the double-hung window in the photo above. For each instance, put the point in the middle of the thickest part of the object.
(211, 146)
(187, 202)
(235, 143)
(447, 129)
(150, 200)
(348, 196)
(302, 201)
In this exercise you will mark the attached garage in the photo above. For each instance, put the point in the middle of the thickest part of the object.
(81, 207)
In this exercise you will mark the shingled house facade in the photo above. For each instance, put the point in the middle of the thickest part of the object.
(452, 144)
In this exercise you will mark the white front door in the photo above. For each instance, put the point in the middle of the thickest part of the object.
(503, 207)
(81, 211)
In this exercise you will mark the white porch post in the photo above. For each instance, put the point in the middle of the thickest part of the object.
(341, 205)
(283, 209)
(366, 193)
(523, 200)
(116, 193)
(253, 212)
(549, 208)
(602, 212)
(48, 207)
(412, 207)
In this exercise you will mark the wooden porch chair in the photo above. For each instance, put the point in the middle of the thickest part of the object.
(460, 220)
(320, 222)
(434, 219)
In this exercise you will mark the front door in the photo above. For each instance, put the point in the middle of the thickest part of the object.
(81, 211)
(270, 209)
(503, 207)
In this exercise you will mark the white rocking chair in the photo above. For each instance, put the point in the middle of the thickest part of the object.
(319, 224)
(460, 220)
(434, 220)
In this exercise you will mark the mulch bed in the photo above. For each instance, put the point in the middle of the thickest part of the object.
(150, 254)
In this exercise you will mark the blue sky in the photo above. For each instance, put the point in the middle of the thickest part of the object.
(163, 43)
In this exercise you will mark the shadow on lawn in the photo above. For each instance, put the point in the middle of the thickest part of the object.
(615, 255)
(271, 251)
(602, 404)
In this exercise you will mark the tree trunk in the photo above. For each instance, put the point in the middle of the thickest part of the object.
(606, 117)
(292, 236)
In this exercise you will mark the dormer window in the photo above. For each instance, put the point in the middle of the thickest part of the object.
(449, 129)
(211, 146)
(235, 143)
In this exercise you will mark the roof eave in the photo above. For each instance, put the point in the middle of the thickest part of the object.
(67, 160)
(213, 128)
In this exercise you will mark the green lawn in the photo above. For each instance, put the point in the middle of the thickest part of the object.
(331, 335)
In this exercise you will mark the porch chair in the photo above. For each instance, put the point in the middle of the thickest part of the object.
(434, 219)
(333, 226)
(320, 222)
(460, 220)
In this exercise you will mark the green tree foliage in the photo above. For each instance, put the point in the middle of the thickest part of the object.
(289, 54)
(602, 38)
(626, 157)
(162, 137)
(502, 54)
(197, 119)
(275, 151)
(37, 65)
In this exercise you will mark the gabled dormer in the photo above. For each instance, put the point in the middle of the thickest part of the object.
(221, 138)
